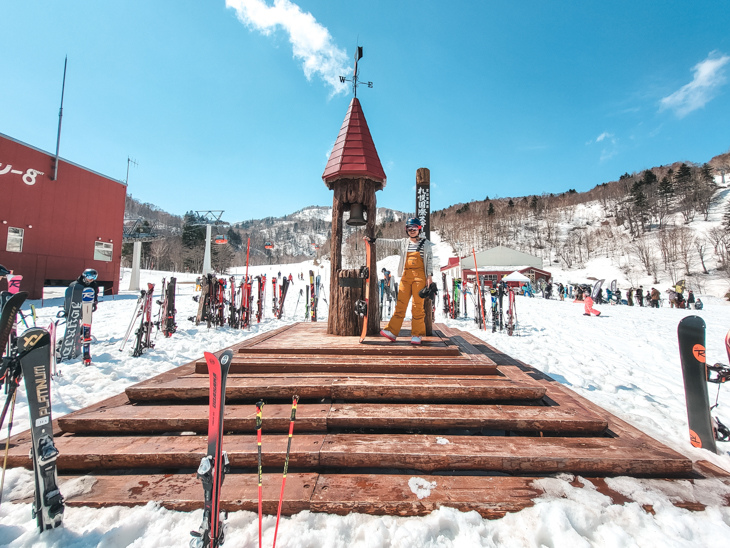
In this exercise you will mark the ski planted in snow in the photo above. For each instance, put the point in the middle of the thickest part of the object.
(214, 466)
(34, 349)
(283, 289)
(144, 331)
(87, 313)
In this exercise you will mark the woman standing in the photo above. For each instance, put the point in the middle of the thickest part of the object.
(415, 269)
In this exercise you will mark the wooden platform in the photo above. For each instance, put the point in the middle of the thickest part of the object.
(454, 412)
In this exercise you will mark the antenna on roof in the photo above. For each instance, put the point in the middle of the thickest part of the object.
(60, 117)
(134, 163)
(355, 73)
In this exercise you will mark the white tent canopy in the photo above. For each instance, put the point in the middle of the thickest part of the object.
(516, 276)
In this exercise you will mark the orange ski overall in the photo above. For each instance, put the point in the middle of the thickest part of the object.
(413, 280)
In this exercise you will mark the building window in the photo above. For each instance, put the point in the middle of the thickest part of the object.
(103, 251)
(15, 239)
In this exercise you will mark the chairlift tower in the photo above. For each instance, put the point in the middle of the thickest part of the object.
(137, 233)
(212, 218)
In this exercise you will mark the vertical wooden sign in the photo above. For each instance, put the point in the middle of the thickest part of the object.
(423, 212)
(423, 199)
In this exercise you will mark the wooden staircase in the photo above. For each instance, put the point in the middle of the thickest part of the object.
(454, 411)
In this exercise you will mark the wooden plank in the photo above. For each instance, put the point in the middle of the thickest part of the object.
(445, 417)
(492, 497)
(297, 368)
(184, 492)
(464, 390)
(149, 419)
(523, 455)
(172, 452)
(237, 389)
(357, 387)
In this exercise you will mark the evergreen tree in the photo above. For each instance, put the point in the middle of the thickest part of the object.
(490, 211)
(510, 203)
(666, 189)
(648, 178)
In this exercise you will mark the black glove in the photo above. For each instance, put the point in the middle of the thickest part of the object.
(370, 240)
(429, 291)
(93, 309)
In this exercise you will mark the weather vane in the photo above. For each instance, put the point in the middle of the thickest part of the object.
(355, 80)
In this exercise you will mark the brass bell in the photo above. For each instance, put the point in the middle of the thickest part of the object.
(356, 215)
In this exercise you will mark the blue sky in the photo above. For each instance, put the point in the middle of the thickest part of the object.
(236, 104)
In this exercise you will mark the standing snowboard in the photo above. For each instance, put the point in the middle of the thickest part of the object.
(71, 342)
(691, 335)
(34, 347)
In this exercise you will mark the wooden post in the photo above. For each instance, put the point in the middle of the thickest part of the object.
(423, 212)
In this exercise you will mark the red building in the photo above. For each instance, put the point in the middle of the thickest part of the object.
(50, 231)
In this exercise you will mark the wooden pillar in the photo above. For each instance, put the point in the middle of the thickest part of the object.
(342, 318)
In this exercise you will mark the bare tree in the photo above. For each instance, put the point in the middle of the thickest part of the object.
(644, 251)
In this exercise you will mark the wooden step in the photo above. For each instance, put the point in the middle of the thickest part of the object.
(491, 496)
(427, 453)
(184, 492)
(510, 454)
(376, 494)
(468, 417)
(281, 365)
(172, 452)
(151, 419)
(362, 387)
(321, 417)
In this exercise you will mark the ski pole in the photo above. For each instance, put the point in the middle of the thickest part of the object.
(7, 447)
(294, 401)
(259, 407)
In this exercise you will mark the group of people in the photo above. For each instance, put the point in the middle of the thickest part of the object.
(649, 298)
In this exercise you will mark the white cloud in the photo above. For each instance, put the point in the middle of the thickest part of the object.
(311, 43)
(610, 145)
(709, 76)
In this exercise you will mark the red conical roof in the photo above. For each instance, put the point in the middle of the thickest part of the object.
(354, 153)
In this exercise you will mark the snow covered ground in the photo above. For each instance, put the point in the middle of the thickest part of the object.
(625, 361)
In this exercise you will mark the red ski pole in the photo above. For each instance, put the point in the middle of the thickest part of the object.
(294, 401)
(259, 407)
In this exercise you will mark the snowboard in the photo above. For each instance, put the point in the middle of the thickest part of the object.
(14, 284)
(71, 342)
(35, 350)
(169, 326)
(10, 306)
(691, 337)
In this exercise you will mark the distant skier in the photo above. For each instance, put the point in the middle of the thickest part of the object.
(588, 306)
(690, 299)
(640, 295)
(655, 295)
(416, 271)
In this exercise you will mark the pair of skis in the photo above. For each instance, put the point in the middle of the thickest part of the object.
(704, 429)
(30, 357)
(214, 466)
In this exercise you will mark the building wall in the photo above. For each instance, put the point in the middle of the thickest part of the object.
(62, 220)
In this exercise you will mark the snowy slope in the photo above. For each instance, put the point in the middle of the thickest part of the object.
(625, 361)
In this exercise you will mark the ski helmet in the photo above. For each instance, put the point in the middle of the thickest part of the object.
(3, 271)
(414, 222)
(90, 274)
